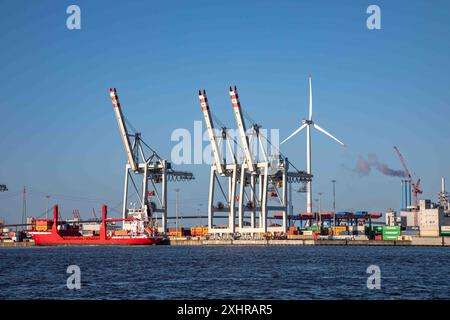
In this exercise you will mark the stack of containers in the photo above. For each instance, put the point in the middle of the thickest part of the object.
(174, 232)
(198, 231)
(390, 232)
(293, 232)
(377, 233)
(357, 230)
(339, 230)
(445, 230)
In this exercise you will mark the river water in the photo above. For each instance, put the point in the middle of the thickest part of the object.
(225, 272)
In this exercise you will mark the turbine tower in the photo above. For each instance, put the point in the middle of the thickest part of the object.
(307, 124)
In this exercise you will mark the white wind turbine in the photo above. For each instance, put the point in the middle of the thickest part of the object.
(307, 124)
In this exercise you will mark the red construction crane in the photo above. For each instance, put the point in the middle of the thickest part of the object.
(414, 185)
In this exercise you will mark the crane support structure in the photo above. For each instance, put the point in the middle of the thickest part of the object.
(154, 171)
(223, 177)
(415, 185)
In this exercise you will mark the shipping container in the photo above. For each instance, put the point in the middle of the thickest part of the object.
(378, 237)
(445, 230)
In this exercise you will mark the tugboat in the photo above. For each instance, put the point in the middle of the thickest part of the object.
(137, 229)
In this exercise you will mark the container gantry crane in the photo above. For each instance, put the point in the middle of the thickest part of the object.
(264, 184)
(253, 180)
(414, 184)
(220, 171)
(254, 176)
(154, 170)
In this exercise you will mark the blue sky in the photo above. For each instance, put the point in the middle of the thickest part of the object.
(373, 89)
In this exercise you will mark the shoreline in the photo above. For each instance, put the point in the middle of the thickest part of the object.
(415, 241)
(419, 241)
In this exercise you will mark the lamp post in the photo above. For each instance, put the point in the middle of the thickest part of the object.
(334, 202)
(320, 208)
(176, 211)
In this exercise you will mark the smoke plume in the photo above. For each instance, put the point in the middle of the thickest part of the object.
(363, 167)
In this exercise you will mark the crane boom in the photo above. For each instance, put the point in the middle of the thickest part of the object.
(210, 128)
(241, 128)
(405, 167)
(123, 129)
(415, 185)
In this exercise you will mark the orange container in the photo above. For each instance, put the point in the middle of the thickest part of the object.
(120, 232)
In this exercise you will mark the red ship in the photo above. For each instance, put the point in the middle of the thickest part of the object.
(47, 232)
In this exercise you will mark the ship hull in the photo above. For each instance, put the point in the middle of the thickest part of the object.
(51, 239)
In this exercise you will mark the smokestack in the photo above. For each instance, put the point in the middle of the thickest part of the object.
(443, 185)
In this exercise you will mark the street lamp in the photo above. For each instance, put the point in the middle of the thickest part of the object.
(320, 208)
(334, 202)
(176, 211)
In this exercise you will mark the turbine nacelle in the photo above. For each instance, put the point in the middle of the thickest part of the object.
(310, 122)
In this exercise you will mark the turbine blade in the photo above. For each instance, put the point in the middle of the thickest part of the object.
(294, 133)
(327, 133)
(310, 98)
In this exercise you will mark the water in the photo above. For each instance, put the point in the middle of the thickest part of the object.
(225, 272)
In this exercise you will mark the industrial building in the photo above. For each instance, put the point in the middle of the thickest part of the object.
(431, 219)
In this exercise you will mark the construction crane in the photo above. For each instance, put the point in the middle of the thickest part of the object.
(415, 185)
(153, 168)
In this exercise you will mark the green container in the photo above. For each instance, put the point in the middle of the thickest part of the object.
(391, 228)
(314, 228)
(377, 230)
(391, 231)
